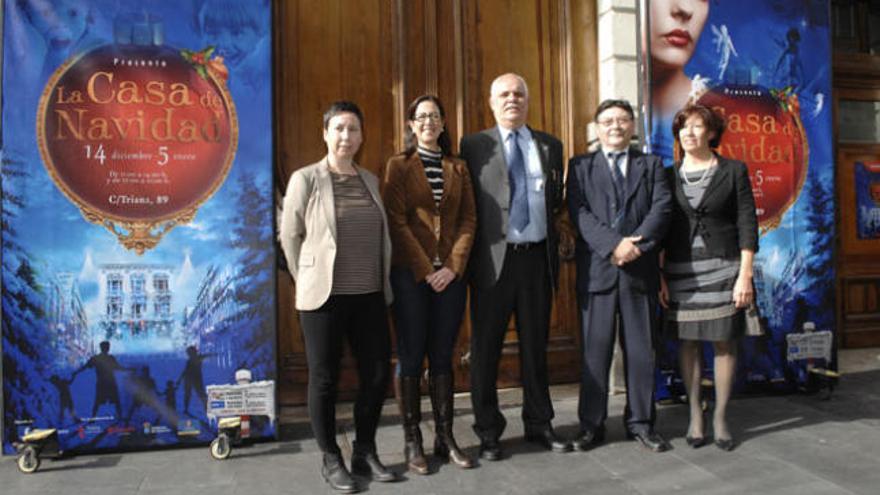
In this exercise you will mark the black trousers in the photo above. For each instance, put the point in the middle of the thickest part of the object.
(361, 319)
(523, 289)
(426, 322)
(635, 312)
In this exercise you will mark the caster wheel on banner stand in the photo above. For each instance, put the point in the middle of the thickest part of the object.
(28, 460)
(221, 448)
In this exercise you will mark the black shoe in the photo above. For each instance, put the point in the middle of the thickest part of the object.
(365, 462)
(548, 439)
(650, 440)
(490, 450)
(334, 473)
(696, 442)
(725, 444)
(588, 439)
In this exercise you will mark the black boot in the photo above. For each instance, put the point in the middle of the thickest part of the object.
(411, 411)
(365, 462)
(444, 442)
(336, 475)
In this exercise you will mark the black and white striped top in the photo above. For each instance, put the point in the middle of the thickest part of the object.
(357, 268)
(432, 160)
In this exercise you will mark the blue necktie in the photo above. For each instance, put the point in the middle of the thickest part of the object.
(619, 184)
(519, 194)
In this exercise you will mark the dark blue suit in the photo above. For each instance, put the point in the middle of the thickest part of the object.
(606, 291)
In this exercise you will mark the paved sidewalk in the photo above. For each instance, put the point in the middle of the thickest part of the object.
(792, 444)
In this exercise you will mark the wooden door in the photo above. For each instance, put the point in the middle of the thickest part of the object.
(382, 54)
(858, 267)
(858, 260)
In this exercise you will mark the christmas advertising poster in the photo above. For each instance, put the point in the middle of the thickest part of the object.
(138, 254)
(867, 186)
(765, 66)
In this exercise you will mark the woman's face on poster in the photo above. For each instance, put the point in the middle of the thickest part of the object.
(233, 43)
(675, 29)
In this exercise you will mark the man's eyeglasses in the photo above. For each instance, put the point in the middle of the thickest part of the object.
(621, 121)
(424, 117)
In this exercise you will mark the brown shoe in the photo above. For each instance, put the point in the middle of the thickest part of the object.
(445, 445)
(411, 411)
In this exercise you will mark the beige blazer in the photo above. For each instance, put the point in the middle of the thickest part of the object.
(307, 233)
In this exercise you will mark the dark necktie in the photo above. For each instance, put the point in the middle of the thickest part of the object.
(519, 194)
(616, 159)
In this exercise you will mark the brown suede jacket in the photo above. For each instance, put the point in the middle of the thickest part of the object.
(420, 230)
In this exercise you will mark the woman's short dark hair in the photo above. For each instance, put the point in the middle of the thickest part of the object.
(713, 121)
(343, 106)
(409, 139)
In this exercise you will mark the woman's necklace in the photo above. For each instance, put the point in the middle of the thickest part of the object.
(702, 177)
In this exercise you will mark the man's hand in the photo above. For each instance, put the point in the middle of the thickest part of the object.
(626, 251)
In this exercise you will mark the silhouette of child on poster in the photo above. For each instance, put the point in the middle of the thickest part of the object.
(65, 400)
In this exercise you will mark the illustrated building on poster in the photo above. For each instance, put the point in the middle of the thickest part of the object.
(66, 314)
(774, 294)
(209, 323)
(136, 301)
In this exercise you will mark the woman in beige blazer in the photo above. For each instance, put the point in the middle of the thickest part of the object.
(334, 235)
(430, 204)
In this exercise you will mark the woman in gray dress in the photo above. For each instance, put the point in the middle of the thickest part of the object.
(707, 269)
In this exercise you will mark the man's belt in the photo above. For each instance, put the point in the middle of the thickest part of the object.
(525, 246)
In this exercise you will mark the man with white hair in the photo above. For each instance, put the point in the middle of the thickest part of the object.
(517, 177)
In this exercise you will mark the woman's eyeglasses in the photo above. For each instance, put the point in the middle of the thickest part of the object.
(424, 117)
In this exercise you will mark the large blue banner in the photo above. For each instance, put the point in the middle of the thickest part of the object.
(765, 65)
(138, 254)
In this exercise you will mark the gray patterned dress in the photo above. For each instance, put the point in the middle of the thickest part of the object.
(701, 303)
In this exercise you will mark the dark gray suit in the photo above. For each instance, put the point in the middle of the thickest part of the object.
(505, 280)
(606, 290)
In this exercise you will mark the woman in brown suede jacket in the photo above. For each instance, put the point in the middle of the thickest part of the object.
(431, 216)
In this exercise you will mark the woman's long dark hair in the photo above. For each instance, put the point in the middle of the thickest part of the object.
(410, 142)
